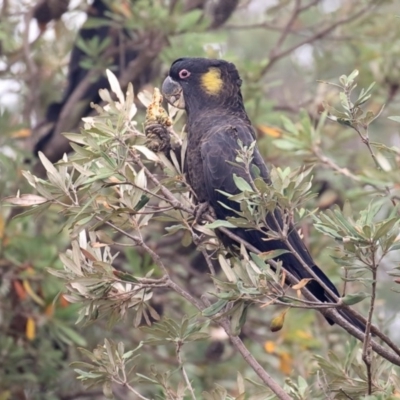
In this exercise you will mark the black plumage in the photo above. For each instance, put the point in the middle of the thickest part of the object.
(119, 54)
(209, 90)
(48, 10)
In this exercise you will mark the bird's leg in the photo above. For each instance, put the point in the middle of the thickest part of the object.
(200, 210)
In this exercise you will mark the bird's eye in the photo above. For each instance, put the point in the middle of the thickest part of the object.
(184, 73)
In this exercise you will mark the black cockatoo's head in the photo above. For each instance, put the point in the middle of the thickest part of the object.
(199, 83)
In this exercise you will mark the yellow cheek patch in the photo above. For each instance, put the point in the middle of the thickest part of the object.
(211, 81)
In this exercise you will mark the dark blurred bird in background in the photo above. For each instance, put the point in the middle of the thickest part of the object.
(131, 53)
(209, 91)
(49, 10)
(117, 51)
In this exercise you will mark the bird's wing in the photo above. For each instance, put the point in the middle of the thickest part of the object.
(218, 151)
(222, 146)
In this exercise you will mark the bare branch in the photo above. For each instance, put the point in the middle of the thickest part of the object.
(275, 56)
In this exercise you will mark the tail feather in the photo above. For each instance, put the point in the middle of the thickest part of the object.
(353, 321)
(294, 267)
(318, 291)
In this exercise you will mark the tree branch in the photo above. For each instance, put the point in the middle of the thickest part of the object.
(275, 56)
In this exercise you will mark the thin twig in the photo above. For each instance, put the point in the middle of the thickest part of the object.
(331, 313)
(185, 376)
(365, 139)
(209, 262)
(82, 394)
(126, 384)
(136, 392)
(288, 27)
(248, 357)
(318, 35)
(31, 66)
(332, 165)
(366, 350)
(347, 396)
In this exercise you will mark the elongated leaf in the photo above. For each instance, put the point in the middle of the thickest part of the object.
(269, 255)
(242, 184)
(220, 223)
(238, 318)
(115, 86)
(301, 284)
(227, 269)
(25, 200)
(355, 298)
(49, 167)
(215, 308)
(385, 228)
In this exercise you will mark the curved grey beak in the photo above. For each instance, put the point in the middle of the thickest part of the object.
(172, 91)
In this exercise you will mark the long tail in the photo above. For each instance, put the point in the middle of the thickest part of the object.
(317, 290)
(293, 266)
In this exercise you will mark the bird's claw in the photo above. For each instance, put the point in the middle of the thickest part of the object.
(158, 137)
(200, 210)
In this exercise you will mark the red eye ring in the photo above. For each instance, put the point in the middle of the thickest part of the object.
(184, 73)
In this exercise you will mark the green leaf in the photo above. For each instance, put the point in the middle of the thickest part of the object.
(215, 308)
(156, 331)
(197, 336)
(284, 144)
(220, 223)
(107, 390)
(385, 228)
(75, 137)
(289, 126)
(302, 384)
(255, 171)
(71, 334)
(186, 239)
(99, 177)
(242, 184)
(258, 261)
(125, 276)
(33, 211)
(269, 255)
(355, 298)
(395, 246)
(226, 268)
(353, 75)
(333, 112)
(238, 318)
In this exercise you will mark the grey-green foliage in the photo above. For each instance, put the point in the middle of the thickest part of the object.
(105, 188)
(349, 378)
(368, 42)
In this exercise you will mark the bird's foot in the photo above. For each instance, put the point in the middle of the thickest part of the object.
(158, 138)
(200, 210)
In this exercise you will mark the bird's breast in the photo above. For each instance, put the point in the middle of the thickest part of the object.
(194, 169)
